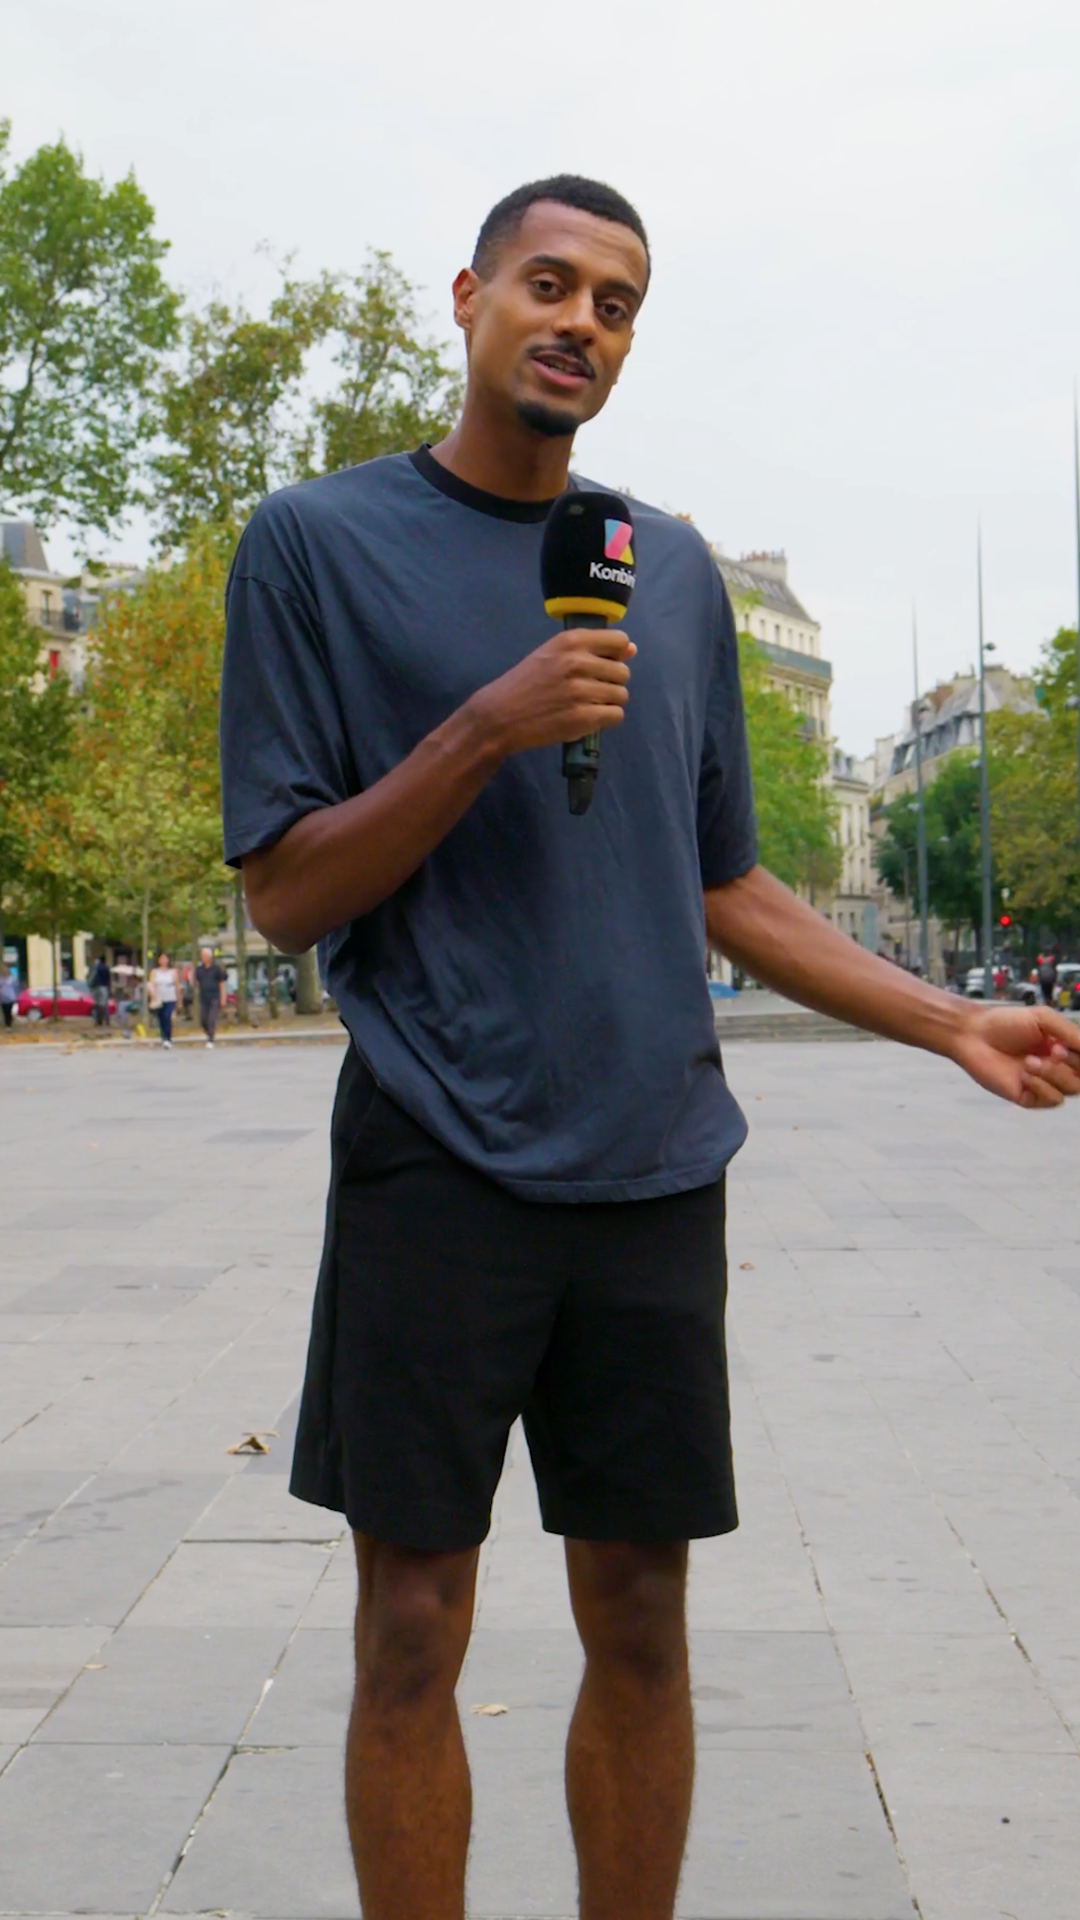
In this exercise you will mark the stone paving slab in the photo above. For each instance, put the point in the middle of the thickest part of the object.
(85, 1828)
(894, 1625)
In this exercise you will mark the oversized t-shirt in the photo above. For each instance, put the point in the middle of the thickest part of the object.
(535, 995)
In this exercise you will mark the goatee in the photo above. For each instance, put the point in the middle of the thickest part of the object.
(550, 421)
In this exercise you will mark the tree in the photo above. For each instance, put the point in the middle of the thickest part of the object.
(1033, 765)
(953, 844)
(238, 415)
(795, 813)
(150, 803)
(37, 718)
(55, 888)
(395, 388)
(84, 317)
(228, 411)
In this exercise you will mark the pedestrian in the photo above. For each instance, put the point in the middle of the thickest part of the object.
(1047, 977)
(101, 989)
(210, 981)
(163, 993)
(9, 993)
(526, 1211)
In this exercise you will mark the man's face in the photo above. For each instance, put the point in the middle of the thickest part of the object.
(547, 334)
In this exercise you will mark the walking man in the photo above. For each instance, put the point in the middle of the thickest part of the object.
(531, 1128)
(101, 988)
(210, 986)
(1047, 975)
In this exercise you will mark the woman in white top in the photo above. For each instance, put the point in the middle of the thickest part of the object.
(164, 988)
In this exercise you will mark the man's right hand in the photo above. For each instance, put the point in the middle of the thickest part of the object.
(574, 684)
(337, 863)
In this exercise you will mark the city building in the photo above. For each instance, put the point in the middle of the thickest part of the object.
(853, 908)
(767, 608)
(52, 602)
(948, 723)
(790, 638)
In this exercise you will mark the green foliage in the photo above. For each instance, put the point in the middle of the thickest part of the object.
(795, 812)
(238, 415)
(1035, 826)
(395, 389)
(953, 844)
(84, 316)
(37, 722)
(149, 803)
(228, 412)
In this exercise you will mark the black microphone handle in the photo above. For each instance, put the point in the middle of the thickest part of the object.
(581, 758)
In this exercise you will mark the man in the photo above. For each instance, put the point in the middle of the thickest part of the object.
(210, 986)
(526, 1209)
(101, 988)
(1047, 975)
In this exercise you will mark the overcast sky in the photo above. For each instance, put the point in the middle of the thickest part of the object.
(864, 326)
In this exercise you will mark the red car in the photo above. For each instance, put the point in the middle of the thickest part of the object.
(74, 1001)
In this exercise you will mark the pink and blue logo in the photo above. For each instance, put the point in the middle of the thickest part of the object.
(617, 537)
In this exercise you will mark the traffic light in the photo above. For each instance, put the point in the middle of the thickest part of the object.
(1006, 920)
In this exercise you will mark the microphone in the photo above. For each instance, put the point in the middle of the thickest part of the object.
(587, 577)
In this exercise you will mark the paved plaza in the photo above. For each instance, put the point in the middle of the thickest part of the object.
(886, 1657)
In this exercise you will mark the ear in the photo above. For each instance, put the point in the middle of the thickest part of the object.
(466, 287)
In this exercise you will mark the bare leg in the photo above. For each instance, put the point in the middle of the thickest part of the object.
(407, 1795)
(630, 1754)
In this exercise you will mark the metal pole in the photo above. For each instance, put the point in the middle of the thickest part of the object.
(1076, 488)
(984, 803)
(923, 883)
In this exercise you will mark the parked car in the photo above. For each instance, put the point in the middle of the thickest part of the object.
(1026, 991)
(74, 1001)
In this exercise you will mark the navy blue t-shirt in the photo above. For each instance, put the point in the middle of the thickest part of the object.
(535, 995)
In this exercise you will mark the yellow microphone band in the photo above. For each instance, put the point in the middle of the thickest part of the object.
(580, 603)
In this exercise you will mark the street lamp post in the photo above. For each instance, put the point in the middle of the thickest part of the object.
(923, 883)
(984, 802)
(1076, 493)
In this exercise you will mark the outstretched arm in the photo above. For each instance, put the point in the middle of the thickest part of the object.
(1029, 1055)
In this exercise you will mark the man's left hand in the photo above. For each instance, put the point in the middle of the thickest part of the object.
(1029, 1055)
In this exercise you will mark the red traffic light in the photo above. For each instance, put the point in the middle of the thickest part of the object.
(1006, 920)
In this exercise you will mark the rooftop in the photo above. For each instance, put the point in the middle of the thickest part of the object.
(764, 575)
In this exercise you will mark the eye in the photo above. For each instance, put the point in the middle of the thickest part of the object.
(546, 286)
(615, 312)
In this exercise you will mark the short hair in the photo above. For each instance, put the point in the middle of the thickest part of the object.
(567, 190)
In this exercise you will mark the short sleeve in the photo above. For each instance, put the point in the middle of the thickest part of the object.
(283, 747)
(727, 837)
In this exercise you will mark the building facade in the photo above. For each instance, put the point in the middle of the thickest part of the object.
(948, 722)
(788, 636)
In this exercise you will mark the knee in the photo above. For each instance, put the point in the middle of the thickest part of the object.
(413, 1621)
(630, 1607)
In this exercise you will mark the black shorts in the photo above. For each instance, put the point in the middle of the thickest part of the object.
(446, 1307)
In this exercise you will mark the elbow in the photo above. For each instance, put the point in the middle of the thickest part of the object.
(273, 914)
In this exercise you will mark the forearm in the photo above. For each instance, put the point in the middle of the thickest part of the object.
(338, 863)
(782, 942)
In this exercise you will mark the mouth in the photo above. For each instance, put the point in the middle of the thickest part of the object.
(567, 371)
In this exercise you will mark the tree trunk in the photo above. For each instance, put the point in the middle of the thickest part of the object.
(145, 996)
(54, 942)
(308, 984)
(271, 980)
(240, 919)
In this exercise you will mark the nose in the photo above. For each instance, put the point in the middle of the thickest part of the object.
(577, 314)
